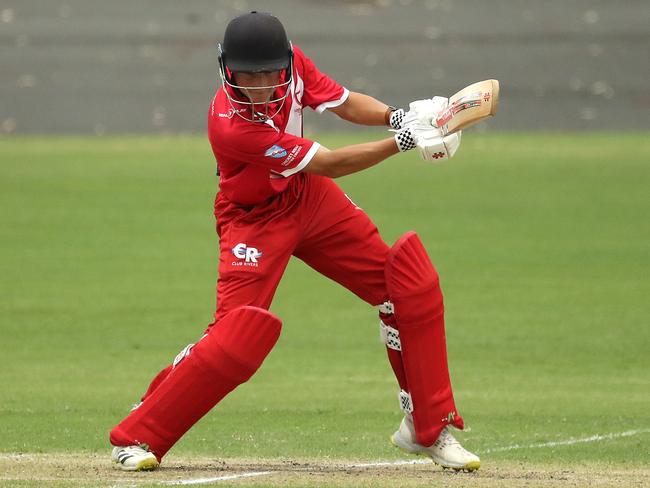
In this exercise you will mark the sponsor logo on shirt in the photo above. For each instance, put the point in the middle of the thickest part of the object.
(231, 113)
(276, 152)
(246, 256)
(292, 155)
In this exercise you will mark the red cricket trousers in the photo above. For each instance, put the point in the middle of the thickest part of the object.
(312, 220)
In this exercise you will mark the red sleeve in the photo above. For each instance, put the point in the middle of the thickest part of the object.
(321, 91)
(262, 145)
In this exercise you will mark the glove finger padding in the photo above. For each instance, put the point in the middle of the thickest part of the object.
(433, 147)
(424, 112)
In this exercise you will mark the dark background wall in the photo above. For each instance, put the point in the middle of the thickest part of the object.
(122, 66)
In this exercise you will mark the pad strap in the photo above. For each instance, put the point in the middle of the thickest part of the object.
(405, 401)
(386, 308)
(389, 336)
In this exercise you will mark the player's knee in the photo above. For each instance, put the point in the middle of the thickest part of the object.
(239, 342)
(412, 280)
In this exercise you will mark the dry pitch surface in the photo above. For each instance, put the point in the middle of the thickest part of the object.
(63, 470)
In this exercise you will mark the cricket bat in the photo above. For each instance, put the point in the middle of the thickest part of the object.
(470, 105)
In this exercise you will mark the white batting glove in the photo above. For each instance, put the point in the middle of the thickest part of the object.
(422, 111)
(418, 129)
(437, 148)
(431, 145)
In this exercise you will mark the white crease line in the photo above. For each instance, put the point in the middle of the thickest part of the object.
(201, 481)
(569, 442)
(389, 463)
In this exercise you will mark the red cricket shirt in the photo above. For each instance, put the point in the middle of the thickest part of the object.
(257, 160)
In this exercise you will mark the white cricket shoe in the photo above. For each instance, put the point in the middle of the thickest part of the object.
(446, 451)
(134, 458)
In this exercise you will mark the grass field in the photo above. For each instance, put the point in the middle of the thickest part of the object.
(107, 269)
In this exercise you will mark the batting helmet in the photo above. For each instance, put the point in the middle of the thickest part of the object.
(255, 43)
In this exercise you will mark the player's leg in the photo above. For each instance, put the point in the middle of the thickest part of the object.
(414, 289)
(227, 356)
(253, 256)
(348, 249)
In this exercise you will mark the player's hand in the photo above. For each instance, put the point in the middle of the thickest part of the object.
(435, 147)
(419, 131)
(429, 141)
(422, 111)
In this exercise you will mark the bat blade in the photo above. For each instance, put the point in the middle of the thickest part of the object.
(470, 105)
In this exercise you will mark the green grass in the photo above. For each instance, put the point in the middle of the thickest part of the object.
(107, 269)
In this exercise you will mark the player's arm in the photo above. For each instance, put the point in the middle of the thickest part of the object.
(429, 140)
(364, 110)
(350, 159)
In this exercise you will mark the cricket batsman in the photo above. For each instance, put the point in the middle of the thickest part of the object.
(277, 198)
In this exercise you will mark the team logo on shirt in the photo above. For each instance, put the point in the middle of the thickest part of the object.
(292, 155)
(276, 152)
(246, 255)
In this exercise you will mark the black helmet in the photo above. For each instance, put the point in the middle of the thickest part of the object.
(255, 42)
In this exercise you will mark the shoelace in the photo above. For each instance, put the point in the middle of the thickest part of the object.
(446, 439)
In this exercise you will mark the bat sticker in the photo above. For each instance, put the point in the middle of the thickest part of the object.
(468, 101)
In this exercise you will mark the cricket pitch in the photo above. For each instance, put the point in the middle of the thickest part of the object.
(80, 470)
